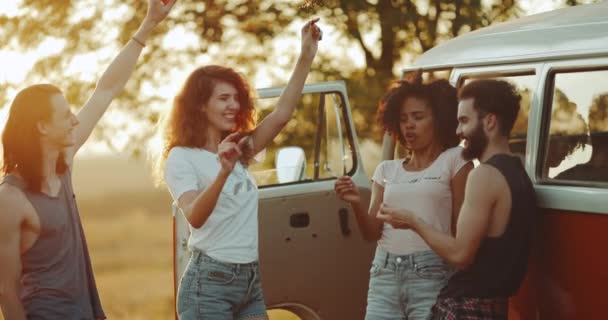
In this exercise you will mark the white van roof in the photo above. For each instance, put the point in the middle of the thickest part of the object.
(569, 32)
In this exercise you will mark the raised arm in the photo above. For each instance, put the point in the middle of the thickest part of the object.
(118, 72)
(276, 120)
(10, 256)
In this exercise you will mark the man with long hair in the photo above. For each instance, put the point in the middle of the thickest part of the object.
(44, 261)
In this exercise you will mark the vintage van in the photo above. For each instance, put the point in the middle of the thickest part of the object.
(314, 261)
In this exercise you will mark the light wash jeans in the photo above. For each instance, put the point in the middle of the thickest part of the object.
(405, 286)
(215, 290)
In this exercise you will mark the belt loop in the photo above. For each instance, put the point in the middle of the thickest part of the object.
(237, 268)
(385, 259)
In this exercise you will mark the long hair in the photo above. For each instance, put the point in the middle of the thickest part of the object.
(186, 123)
(441, 98)
(21, 140)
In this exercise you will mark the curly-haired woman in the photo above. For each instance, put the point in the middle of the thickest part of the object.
(406, 275)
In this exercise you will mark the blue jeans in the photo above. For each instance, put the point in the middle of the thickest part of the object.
(405, 286)
(215, 290)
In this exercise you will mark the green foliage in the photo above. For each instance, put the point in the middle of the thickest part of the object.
(237, 33)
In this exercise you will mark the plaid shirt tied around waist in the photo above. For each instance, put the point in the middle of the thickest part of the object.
(471, 309)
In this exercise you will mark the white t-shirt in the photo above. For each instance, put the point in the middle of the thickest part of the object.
(427, 193)
(230, 234)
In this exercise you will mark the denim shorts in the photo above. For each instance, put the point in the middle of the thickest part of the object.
(405, 286)
(215, 290)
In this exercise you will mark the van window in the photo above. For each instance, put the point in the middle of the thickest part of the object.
(314, 145)
(525, 84)
(576, 143)
(336, 154)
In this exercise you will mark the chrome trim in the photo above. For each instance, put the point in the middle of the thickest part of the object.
(570, 198)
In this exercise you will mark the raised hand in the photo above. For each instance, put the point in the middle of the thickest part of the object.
(230, 150)
(158, 10)
(347, 190)
(311, 35)
(247, 152)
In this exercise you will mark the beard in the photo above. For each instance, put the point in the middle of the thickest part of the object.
(477, 143)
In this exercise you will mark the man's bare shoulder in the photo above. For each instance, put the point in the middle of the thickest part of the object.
(10, 193)
(12, 204)
(485, 178)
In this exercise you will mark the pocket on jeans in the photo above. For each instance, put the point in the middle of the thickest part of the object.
(219, 276)
(432, 271)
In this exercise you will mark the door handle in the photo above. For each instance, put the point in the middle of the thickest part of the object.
(299, 220)
(343, 214)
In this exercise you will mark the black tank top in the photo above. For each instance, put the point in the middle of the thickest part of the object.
(500, 263)
(57, 279)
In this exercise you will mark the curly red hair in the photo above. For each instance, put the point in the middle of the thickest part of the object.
(186, 123)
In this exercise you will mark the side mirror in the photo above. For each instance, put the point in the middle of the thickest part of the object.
(290, 164)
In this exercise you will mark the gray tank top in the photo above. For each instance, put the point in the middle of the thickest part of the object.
(57, 280)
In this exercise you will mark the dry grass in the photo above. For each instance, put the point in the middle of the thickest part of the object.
(131, 255)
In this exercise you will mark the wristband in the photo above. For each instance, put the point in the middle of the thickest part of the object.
(141, 43)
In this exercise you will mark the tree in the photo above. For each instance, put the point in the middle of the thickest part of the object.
(239, 33)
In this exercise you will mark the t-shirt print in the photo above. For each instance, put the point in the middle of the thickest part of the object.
(415, 180)
(238, 181)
